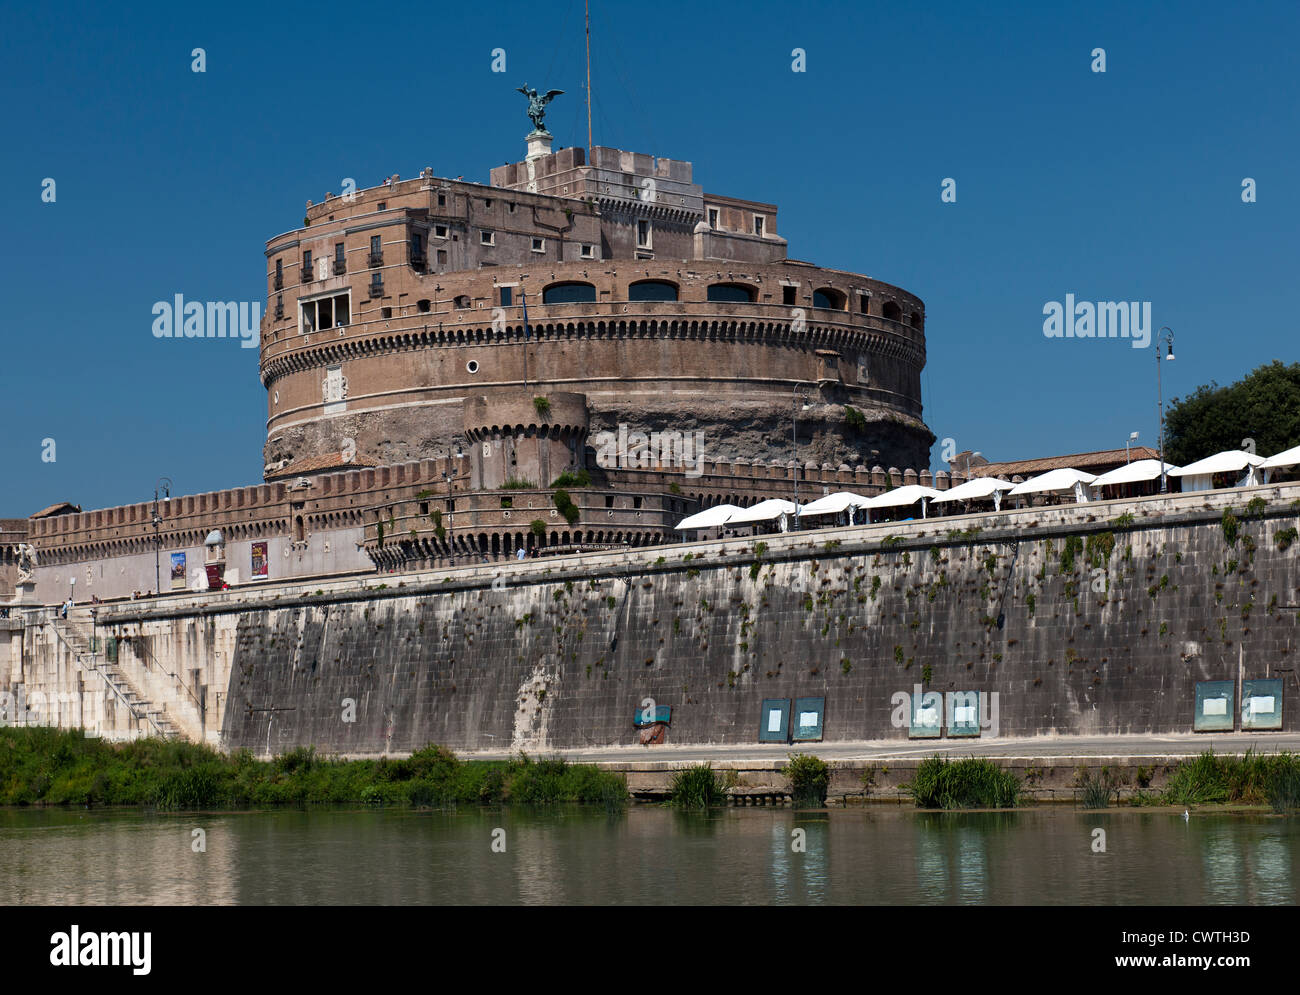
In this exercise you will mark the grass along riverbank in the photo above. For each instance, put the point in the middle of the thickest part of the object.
(42, 766)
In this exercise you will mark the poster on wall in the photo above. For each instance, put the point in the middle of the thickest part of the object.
(260, 560)
(178, 571)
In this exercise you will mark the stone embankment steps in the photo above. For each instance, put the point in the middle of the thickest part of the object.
(78, 644)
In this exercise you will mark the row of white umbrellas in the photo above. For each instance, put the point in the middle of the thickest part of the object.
(981, 488)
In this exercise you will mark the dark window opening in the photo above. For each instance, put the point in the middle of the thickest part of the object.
(507, 296)
(422, 305)
(387, 312)
(828, 298)
(569, 293)
(652, 290)
(787, 296)
(731, 293)
(892, 311)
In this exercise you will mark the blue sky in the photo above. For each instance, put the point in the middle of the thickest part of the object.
(1123, 185)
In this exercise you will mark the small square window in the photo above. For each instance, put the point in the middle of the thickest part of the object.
(487, 203)
(487, 237)
(381, 206)
(588, 252)
(439, 231)
(539, 245)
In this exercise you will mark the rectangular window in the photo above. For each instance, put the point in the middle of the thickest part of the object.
(539, 245)
(643, 234)
(338, 252)
(442, 255)
(439, 231)
(376, 284)
(758, 225)
(279, 269)
(306, 265)
(486, 237)
(324, 312)
(381, 206)
(864, 303)
(511, 207)
(442, 200)
(787, 296)
(713, 218)
(588, 252)
(375, 245)
(507, 296)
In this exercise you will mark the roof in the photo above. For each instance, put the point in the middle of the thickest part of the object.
(1289, 457)
(973, 490)
(1228, 461)
(319, 464)
(1095, 462)
(764, 511)
(833, 504)
(905, 495)
(708, 518)
(62, 508)
(1136, 472)
(1063, 479)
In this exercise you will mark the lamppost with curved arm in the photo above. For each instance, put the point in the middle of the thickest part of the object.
(1165, 336)
(799, 393)
(165, 485)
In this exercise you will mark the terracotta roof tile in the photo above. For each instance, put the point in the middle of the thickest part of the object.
(319, 464)
(1094, 462)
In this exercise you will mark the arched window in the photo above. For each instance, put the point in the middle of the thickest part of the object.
(569, 293)
(892, 311)
(828, 298)
(914, 319)
(732, 293)
(652, 290)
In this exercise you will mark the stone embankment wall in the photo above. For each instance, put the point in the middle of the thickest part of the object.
(1111, 613)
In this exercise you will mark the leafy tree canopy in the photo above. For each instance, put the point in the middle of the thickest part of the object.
(1264, 406)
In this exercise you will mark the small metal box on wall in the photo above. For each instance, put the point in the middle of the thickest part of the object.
(1261, 704)
(774, 721)
(1214, 711)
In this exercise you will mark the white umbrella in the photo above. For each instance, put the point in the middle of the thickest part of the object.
(1288, 458)
(1064, 479)
(1199, 476)
(708, 518)
(833, 504)
(903, 496)
(764, 511)
(1133, 473)
(974, 490)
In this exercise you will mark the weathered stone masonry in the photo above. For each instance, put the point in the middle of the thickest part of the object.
(562, 658)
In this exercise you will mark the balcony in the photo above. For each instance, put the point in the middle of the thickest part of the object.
(418, 261)
(279, 312)
(305, 274)
(376, 290)
(278, 281)
(375, 259)
(340, 267)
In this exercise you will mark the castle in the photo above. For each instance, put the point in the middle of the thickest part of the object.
(438, 356)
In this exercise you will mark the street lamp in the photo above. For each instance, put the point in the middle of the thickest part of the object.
(165, 485)
(800, 393)
(1165, 335)
(1132, 438)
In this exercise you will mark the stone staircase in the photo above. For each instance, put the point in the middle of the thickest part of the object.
(78, 644)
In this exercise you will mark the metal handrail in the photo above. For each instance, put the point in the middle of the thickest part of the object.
(76, 655)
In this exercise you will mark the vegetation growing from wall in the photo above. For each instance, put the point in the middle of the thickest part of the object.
(40, 766)
(969, 783)
(854, 419)
(1252, 780)
(581, 478)
(566, 506)
(810, 779)
(697, 787)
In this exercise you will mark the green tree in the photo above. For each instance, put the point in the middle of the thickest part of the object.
(1264, 406)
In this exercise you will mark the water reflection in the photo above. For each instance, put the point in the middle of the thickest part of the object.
(646, 856)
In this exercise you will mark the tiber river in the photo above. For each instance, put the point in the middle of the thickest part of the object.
(647, 855)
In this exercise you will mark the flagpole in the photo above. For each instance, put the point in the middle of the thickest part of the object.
(587, 9)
